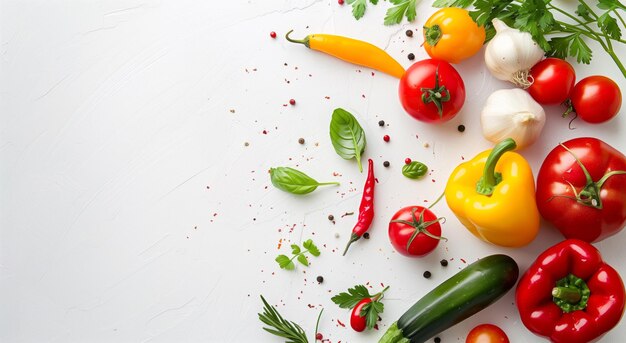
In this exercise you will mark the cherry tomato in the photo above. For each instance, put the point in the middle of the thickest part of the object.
(357, 322)
(414, 220)
(432, 91)
(451, 35)
(553, 81)
(487, 333)
(596, 99)
(582, 208)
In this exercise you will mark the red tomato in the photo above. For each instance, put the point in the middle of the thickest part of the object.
(414, 220)
(427, 83)
(357, 322)
(596, 99)
(587, 209)
(553, 81)
(487, 333)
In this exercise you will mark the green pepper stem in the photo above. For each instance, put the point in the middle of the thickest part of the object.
(432, 34)
(490, 178)
(353, 238)
(571, 293)
(304, 41)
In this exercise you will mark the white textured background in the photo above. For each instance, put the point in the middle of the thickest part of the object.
(131, 209)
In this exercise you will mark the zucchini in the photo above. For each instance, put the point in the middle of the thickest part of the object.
(456, 299)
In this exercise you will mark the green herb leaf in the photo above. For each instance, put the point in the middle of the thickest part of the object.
(403, 8)
(284, 262)
(583, 12)
(352, 297)
(414, 170)
(295, 249)
(347, 136)
(374, 2)
(302, 259)
(294, 181)
(311, 247)
(279, 326)
(560, 46)
(580, 49)
(358, 8)
(452, 3)
(610, 5)
(608, 25)
(371, 311)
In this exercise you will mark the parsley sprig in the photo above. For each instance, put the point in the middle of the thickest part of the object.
(287, 263)
(370, 311)
(281, 327)
(558, 38)
(394, 15)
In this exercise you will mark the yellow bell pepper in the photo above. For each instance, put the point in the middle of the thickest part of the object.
(493, 195)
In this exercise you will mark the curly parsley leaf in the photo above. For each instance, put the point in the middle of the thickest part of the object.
(401, 9)
(352, 297)
(371, 312)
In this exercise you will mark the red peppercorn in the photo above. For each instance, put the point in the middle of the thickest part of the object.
(386, 138)
(292, 102)
(273, 34)
(340, 2)
(407, 161)
(319, 336)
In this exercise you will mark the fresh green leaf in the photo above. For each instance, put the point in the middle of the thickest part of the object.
(374, 2)
(560, 46)
(347, 136)
(452, 3)
(403, 8)
(352, 297)
(608, 25)
(580, 49)
(294, 181)
(295, 249)
(583, 12)
(302, 259)
(311, 247)
(284, 262)
(279, 326)
(358, 8)
(371, 311)
(610, 5)
(414, 170)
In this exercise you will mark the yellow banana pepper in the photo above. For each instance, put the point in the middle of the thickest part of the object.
(493, 195)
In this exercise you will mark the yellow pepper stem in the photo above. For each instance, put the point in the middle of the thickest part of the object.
(304, 41)
(490, 178)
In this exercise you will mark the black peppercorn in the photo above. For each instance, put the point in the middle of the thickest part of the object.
(409, 33)
(331, 217)
(411, 56)
(444, 263)
(320, 279)
(366, 235)
(381, 123)
(461, 128)
(437, 340)
(386, 164)
(427, 274)
(301, 140)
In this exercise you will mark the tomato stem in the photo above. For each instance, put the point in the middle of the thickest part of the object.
(420, 226)
(437, 95)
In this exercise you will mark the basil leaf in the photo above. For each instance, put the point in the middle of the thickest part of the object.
(294, 181)
(414, 170)
(347, 136)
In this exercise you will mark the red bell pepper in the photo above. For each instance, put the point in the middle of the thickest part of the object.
(581, 189)
(569, 294)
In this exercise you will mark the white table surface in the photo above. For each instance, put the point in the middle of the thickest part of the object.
(131, 209)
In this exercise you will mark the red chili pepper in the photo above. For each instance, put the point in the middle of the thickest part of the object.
(569, 294)
(366, 209)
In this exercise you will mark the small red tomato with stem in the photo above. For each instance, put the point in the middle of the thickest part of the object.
(415, 231)
(357, 322)
(432, 91)
(552, 81)
(487, 333)
(595, 99)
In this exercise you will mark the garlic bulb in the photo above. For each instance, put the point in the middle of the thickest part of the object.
(512, 113)
(511, 53)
